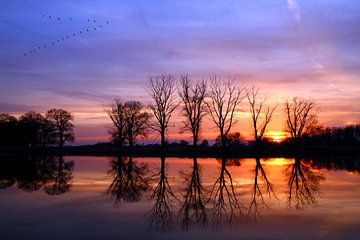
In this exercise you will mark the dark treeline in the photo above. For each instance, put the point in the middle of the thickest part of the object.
(35, 130)
(216, 99)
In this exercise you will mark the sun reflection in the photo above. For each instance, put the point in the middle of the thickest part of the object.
(279, 161)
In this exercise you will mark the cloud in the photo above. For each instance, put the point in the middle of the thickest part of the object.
(294, 8)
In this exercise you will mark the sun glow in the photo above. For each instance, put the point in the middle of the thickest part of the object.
(276, 136)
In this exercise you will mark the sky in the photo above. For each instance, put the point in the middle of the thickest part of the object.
(286, 48)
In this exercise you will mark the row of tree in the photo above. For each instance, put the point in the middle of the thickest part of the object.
(33, 129)
(218, 99)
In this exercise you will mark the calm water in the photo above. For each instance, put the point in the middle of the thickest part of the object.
(178, 198)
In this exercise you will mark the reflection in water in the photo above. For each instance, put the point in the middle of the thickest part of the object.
(348, 164)
(162, 213)
(257, 193)
(225, 207)
(60, 179)
(193, 210)
(31, 173)
(130, 180)
(205, 199)
(303, 183)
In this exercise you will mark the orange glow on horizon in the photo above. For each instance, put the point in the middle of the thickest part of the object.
(276, 136)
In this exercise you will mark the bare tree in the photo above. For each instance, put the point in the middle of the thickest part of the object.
(117, 116)
(130, 121)
(193, 106)
(136, 120)
(301, 116)
(257, 109)
(224, 100)
(62, 122)
(161, 89)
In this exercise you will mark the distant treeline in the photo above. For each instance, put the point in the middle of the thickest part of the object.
(35, 130)
(217, 99)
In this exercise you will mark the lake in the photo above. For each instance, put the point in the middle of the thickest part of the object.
(87, 197)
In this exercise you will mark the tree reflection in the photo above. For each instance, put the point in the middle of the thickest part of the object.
(162, 213)
(32, 173)
(257, 198)
(225, 206)
(303, 184)
(193, 210)
(60, 180)
(130, 180)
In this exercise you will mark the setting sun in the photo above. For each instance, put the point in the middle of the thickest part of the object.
(276, 136)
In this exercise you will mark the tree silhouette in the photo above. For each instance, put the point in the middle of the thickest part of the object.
(162, 213)
(136, 120)
(257, 192)
(303, 184)
(193, 106)
(231, 139)
(129, 182)
(301, 116)
(117, 116)
(224, 98)
(193, 209)
(9, 134)
(60, 181)
(161, 89)
(62, 122)
(257, 109)
(226, 208)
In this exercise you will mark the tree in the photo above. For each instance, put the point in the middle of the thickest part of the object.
(62, 122)
(161, 89)
(35, 129)
(231, 139)
(8, 130)
(117, 116)
(256, 110)
(301, 117)
(193, 107)
(224, 100)
(136, 121)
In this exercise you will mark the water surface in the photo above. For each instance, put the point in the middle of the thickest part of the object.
(177, 198)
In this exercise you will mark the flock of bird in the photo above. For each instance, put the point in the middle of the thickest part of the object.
(95, 25)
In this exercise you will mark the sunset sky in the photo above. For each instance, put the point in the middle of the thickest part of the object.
(287, 48)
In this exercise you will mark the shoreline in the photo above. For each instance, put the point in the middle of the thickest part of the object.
(189, 151)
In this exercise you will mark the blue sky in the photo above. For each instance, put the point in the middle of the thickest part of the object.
(288, 48)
